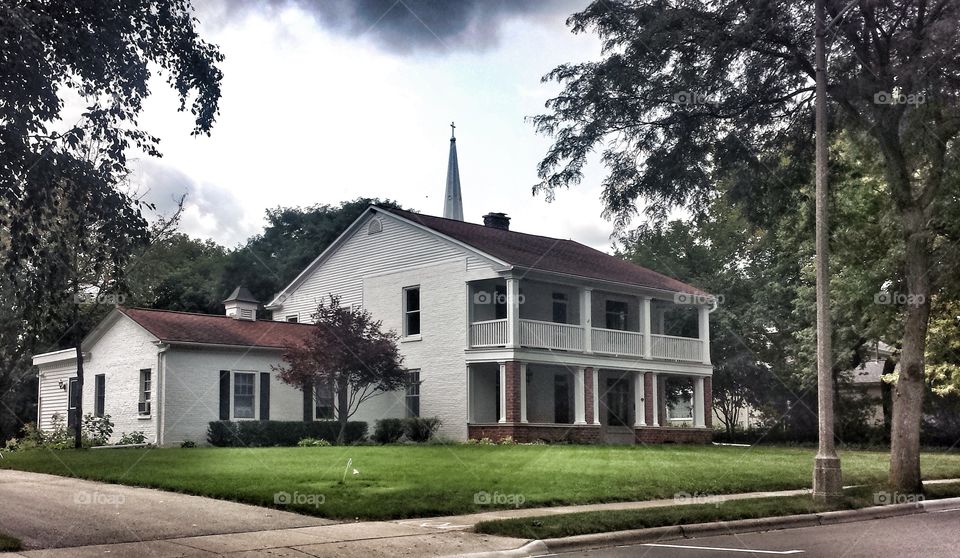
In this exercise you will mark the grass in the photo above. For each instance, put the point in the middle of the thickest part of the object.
(567, 525)
(419, 481)
(9, 544)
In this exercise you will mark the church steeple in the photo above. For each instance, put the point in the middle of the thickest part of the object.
(453, 201)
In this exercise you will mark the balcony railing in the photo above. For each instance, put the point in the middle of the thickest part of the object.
(551, 335)
(616, 342)
(567, 337)
(491, 333)
(676, 348)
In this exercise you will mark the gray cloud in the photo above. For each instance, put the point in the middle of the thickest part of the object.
(403, 26)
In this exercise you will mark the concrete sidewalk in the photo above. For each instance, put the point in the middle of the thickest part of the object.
(272, 533)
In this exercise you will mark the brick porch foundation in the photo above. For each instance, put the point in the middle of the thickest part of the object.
(585, 434)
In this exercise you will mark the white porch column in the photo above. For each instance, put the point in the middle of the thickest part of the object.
(639, 409)
(523, 392)
(704, 323)
(579, 416)
(656, 400)
(586, 315)
(698, 421)
(503, 392)
(645, 326)
(596, 395)
(513, 312)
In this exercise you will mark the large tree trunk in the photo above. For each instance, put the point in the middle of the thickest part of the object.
(908, 395)
(78, 416)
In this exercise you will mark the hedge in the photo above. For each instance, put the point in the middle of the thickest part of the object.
(280, 433)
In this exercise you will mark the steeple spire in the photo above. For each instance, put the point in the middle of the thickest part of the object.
(453, 201)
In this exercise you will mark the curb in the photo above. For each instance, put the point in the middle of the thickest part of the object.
(653, 534)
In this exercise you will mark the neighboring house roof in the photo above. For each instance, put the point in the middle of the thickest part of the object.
(869, 373)
(185, 327)
(547, 254)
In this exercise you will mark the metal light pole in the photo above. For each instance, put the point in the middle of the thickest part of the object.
(827, 482)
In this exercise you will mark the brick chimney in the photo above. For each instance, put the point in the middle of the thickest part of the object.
(496, 221)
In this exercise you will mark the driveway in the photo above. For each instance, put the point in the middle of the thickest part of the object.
(46, 511)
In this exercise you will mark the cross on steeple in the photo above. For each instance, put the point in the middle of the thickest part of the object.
(452, 128)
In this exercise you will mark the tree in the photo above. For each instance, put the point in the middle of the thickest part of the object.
(688, 94)
(348, 353)
(64, 217)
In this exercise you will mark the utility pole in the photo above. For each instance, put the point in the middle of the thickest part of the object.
(827, 480)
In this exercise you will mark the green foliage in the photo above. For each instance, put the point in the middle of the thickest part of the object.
(97, 430)
(280, 433)
(136, 437)
(388, 431)
(420, 429)
(179, 273)
(188, 444)
(313, 443)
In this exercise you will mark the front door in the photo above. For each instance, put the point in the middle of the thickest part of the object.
(618, 402)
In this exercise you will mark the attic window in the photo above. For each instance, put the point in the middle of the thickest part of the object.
(375, 227)
(246, 314)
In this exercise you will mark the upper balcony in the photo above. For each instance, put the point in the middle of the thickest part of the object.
(515, 313)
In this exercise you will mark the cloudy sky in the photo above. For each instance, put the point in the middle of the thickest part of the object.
(328, 100)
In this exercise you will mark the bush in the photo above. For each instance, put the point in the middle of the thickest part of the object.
(59, 436)
(388, 431)
(420, 429)
(313, 443)
(280, 433)
(137, 437)
(96, 431)
(188, 444)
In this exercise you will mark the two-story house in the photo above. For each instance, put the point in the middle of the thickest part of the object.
(503, 334)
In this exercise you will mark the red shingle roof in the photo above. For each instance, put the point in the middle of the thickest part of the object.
(547, 254)
(186, 327)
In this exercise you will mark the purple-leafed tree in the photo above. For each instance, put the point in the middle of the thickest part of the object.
(348, 353)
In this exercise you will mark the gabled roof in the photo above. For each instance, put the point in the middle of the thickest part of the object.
(186, 327)
(543, 253)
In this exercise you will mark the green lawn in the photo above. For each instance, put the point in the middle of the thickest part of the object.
(410, 481)
(9, 544)
(571, 524)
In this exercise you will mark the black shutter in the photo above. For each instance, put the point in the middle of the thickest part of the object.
(224, 395)
(308, 403)
(264, 396)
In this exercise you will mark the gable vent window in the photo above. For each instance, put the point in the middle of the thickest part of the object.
(375, 226)
(411, 311)
(293, 319)
(246, 314)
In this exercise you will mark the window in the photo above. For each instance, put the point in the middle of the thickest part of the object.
(293, 319)
(411, 311)
(323, 402)
(244, 394)
(73, 398)
(617, 315)
(559, 308)
(99, 394)
(413, 393)
(500, 304)
(146, 390)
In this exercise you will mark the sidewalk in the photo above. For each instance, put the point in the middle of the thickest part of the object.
(439, 536)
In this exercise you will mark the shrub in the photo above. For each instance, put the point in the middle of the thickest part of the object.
(280, 433)
(137, 437)
(420, 429)
(313, 443)
(59, 436)
(96, 431)
(388, 431)
(188, 444)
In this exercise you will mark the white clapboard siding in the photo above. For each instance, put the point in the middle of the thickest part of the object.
(398, 246)
(53, 399)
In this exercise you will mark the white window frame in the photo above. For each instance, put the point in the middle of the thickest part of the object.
(407, 395)
(406, 335)
(295, 318)
(145, 396)
(333, 403)
(233, 394)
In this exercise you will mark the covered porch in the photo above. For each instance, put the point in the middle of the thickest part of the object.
(532, 401)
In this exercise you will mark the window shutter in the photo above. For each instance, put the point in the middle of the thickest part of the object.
(308, 403)
(224, 395)
(264, 396)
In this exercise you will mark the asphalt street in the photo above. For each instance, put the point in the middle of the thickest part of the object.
(928, 535)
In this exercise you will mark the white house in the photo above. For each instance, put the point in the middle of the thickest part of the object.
(504, 334)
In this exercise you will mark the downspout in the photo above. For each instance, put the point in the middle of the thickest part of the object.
(162, 380)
